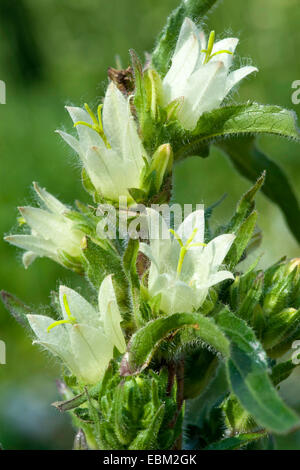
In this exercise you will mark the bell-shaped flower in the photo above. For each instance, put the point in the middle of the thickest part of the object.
(52, 233)
(85, 338)
(200, 75)
(109, 145)
(183, 267)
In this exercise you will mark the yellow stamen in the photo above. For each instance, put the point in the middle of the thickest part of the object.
(98, 125)
(184, 248)
(21, 220)
(176, 236)
(70, 319)
(208, 51)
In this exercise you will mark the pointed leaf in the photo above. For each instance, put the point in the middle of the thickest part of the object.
(16, 307)
(247, 371)
(251, 162)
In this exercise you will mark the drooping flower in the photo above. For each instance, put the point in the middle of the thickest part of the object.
(85, 338)
(183, 267)
(200, 78)
(109, 145)
(52, 233)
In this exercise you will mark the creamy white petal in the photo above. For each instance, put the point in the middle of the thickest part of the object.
(176, 296)
(159, 234)
(92, 350)
(218, 277)
(53, 204)
(132, 150)
(218, 248)
(28, 258)
(43, 222)
(204, 92)
(74, 143)
(87, 136)
(228, 44)
(107, 174)
(80, 308)
(183, 62)
(110, 314)
(238, 75)
(56, 340)
(32, 243)
(57, 336)
(115, 116)
(195, 220)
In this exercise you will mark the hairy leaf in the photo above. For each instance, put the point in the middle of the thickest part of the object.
(236, 442)
(236, 121)
(145, 341)
(16, 307)
(247, 370)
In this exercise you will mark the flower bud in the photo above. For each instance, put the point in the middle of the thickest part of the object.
(136, 412)
(161, 165)
(280, 327)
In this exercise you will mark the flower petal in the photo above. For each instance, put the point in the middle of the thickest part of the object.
(218, 248)
(53, 204)
(115, 116)
(158, 234)
(236, 76)
(218, 277)
(195, 220)
(87, 136)
(47, 224)
(106, 172)
(80, 308)
(28, 258)
(74, 143)
(110, 314)
(228, 44)
(205, 91)
(92, 350)
(184, 60)
(176, 296)
(38, 245)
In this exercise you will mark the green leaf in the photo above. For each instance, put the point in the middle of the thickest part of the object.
(78, 400)
(247, 370)
(246, 205)
(236, 121)
(236, 442)
(168, 37)
(146, 440)
(251, 162)
(145, 341)
(282, 371)
(243, 237)
(16, 307)
(129, 263)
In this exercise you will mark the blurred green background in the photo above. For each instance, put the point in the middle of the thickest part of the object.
(56, 52)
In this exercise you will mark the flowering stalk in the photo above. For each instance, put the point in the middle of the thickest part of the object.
(175, 311)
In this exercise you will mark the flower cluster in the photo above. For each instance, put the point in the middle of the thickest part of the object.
(116, 164)
(174, 302)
